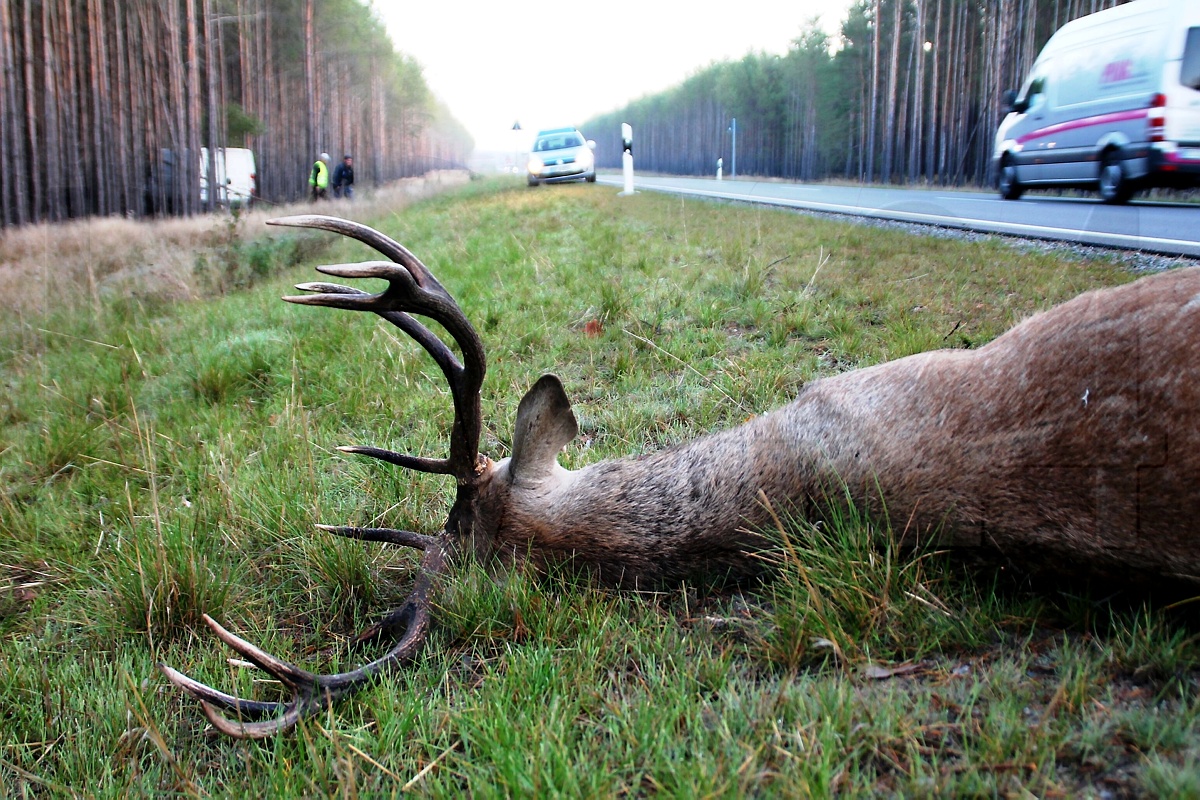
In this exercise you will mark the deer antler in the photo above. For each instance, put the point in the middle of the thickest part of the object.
(412, 289)
(312, 693)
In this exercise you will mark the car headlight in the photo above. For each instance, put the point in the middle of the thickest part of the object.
(535, 165)
(585, 158)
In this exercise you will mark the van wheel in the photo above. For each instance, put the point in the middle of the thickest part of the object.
(1114, 186)
(1010, 187)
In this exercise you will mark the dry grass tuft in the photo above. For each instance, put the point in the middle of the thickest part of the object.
(53, 265)
(47, 265)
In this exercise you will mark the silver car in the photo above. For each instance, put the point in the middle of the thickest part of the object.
(561, 154)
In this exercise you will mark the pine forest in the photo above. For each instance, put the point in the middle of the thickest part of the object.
(98, 98)
(909, 93)
(101, 101)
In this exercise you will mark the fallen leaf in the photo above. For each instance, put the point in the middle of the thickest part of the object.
(880, 672)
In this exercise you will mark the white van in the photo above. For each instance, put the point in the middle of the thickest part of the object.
(1112, 103)
(237, 177)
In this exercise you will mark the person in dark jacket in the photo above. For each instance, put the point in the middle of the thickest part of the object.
(343, 178)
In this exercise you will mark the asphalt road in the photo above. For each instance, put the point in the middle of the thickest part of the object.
(1154, 227)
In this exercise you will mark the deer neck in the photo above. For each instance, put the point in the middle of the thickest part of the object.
(696, 511)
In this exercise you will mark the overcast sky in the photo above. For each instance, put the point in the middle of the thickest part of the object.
(546, 64)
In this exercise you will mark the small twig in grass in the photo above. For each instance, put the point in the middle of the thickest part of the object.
(150, 731)
(1051, 708)
(909, 278)
(683, 219)
(30, 570)
(100, 539)
(81, 339)
(44, 743)
(822, 260)
(791, 551)
(750, 758)
(933, 598)
(30, 585)
(925, 602)
(957, 325)
(29, 776)
(426, 769)
(1179, 603)
(1007, 766)
(373, 762)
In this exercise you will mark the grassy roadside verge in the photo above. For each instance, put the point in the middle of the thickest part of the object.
(163, 457)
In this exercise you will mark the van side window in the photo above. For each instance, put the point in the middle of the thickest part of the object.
(1035, 86)
(1189, 72)
(1035, 94)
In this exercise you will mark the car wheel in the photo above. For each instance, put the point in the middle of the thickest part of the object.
(591, 178)
(532, 181)
(1114, 186)
(1010, 187)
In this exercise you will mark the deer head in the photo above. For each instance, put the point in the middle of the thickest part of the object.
(412, 289)
(1077, 432)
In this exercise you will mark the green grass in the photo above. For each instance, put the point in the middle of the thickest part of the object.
(161, 459)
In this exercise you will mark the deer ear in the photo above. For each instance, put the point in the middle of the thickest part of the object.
(545, 425)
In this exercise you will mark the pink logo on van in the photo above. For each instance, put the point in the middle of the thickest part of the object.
(1117, 71)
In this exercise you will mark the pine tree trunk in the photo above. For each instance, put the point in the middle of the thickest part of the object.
(211, 68)
(914, 135)
(932, 114)
(13, 186)
(124, 119)
(310, 80)
(51, 118)
(889, 115)
(194, 110)
(25, 169)
(874, 104)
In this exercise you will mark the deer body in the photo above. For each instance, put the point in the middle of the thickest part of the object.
(1076, 434)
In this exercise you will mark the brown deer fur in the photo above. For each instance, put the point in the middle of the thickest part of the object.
(1076, 433)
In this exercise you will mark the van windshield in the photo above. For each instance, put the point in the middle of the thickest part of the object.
(1189, 72)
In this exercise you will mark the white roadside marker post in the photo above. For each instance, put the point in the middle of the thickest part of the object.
(627, 157)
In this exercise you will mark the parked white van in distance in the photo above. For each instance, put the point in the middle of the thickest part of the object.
(237, 176)
(1111, 103)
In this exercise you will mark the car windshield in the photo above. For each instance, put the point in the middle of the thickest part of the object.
(558, 141)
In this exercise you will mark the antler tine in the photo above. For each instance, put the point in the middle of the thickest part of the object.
(368, 236)
(412, 289)
(248, 709)
(435, 466)
(313, 693)
(436, 348)
(328, 288)
(405, 294)
(387, 535)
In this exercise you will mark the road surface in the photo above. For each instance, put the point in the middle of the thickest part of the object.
(1170, 228)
